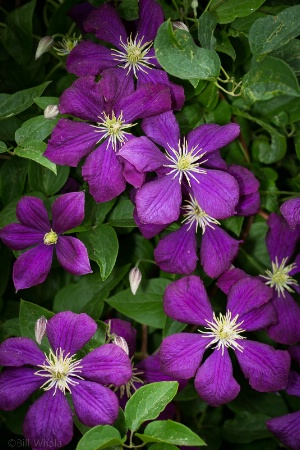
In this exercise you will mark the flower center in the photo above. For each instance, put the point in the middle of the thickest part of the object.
(224, 331)
(66, 45)
(50, 238)
(134, 56)
(130, 387)
(195, 215)
(60, 371)
(113, 128)
(279, 276)
(185, 162)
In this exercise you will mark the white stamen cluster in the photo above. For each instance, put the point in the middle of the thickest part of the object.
(195, 214)
(60, 371)
(279, 277)
(50, 238)
(130, 387)
(224, 331)
(113, 128)
(66, 45)
(134, 56)
(185, 162)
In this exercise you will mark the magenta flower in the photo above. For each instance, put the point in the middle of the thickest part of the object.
(133, 52)
(59, 371)
(248, 309)
(35, 230)
(112, 106)
(291, 211)
(189, 166)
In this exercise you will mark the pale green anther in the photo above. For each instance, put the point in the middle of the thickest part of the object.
(50, 238)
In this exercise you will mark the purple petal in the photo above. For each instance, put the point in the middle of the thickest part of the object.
(211, 137)
(158, 202)
(295, 353)
(19, 237)
(281, 239)
(83, 99)
(147, 101)
(293, 387)
(286, 330)
(215, 161)
(258, 361)
(291, 211)
(94, 404)
(248, 184)
(217, 251)
(107, 26)
(79, 13)
(131, 175)
(32, 213)
(259, 318)
(186, 300)
(247, 295)
(226, 281)
(177, 252)
(69, 331)
(108, 364)
(67, 211)
(248, 205)
(143, 154)
(72, 255)
(181, 354)
(49, 420)
(17, 385)
(115, 85)
(19, 351)
(71, 141)
(163, 129)
(217, 193)
(88, 58)
(214, 381)
(147, 230)
(287, 429)
(157, 76)
(104, 173)
(151, 16)
(125, 330)
(33, 266)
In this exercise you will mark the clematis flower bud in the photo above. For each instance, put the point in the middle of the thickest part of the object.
(121, 342)
(51, 112)
(177, 25)
(45, 44)
(40, 329)
(135, 277)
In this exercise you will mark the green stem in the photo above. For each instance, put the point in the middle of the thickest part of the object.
(208, 5)
(58, 65)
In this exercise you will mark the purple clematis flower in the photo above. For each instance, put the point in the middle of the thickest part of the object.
(49, 419)
(287, 428)
(249, 201)
(291, 211)
(134, 53)
(248, 309)
(190, 166)
(35, 229)
(112, 106)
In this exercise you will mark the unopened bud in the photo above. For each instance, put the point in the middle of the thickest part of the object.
(51, 112)
(40, 329)
(135, 277)
(45, 44)
(179, 26)
(121, 342)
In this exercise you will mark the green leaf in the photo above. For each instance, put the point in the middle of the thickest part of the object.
(129, 9)
(122, 215)
(17, 36)
(172, 327)
(8, 213)
(35, 129)
(43, 102)
(34, 150)
(163, 447)
(148, 402)
(206, 26)
(29, 314)
(268, 78)
(146, 306)
(13, 174)
(41, 179)
(178, 54)
(15, 103)
(102, 246)
(227, 11)
(290, 53)
(88, 294)
(99, 437)
(272, 32)
(234, 224)
(171, 433)
(3, 147)
(246, 427)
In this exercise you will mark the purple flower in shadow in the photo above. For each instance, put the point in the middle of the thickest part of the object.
(248, 309)
(27, 369)
(291, 211)
(35, 230)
